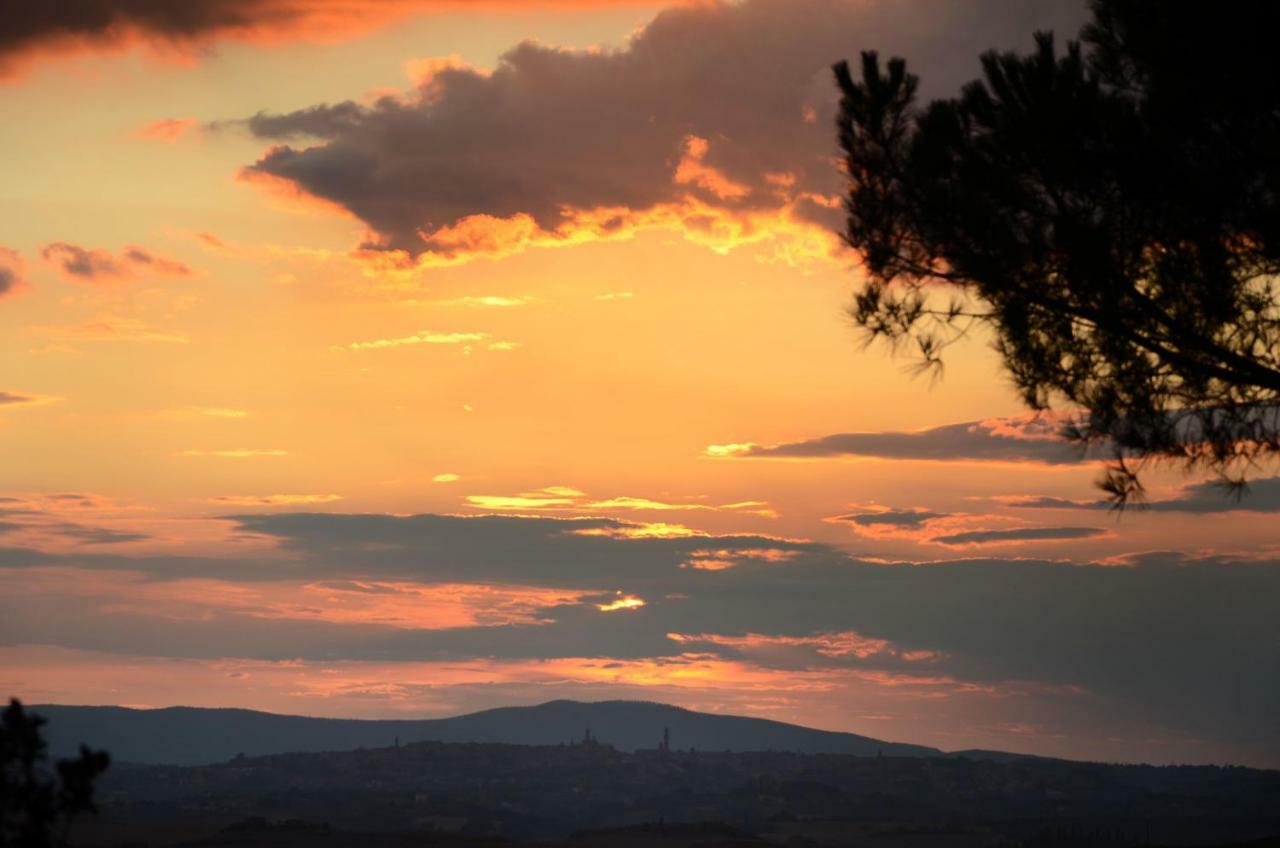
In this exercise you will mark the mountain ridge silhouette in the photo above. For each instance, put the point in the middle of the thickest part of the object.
(203, 735)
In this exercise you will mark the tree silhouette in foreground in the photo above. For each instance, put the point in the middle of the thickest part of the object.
(1111, 211)
(37, 801)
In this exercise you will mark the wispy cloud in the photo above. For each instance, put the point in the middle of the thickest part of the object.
(1017, 535)
(423, 337)
(490, 300)
(14, 399)
(210, 412)
(274, 500)
(12, 272)
(167, 130)
(235, 453)
(110, 329)
(97, 265)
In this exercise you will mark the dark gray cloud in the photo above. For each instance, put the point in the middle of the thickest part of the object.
(1181, 642)
(892, 518)
(550, 130)
(1260, 495)
(84, 263)
(27, 23)
(576, 552)
(1018, 534)
(21, 520)
(994, 440)
(33, 27)
(87, 535)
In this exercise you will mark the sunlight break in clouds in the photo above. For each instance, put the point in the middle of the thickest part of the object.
(622, 602)
(566, 498)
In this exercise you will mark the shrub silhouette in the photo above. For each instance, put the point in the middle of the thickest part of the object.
(38, 801)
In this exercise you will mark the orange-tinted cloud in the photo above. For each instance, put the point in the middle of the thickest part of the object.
(167, 130)
(274, 500)
(12, 272)
(780, 234)
(956, 530)
(843, 645)
(349, 601)
(693, 170)
(718, 559)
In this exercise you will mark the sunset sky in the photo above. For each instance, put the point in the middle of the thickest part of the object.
(401, 358)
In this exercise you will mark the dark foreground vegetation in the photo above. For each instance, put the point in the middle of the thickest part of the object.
(591, 794)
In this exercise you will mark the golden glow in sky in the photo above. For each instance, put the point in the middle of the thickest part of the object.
(501, 355)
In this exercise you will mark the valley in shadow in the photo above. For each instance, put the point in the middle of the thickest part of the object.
(590, 793)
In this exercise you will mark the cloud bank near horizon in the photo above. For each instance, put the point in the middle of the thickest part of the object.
(517, 590)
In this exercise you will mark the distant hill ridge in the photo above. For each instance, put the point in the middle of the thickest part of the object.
(196, 735)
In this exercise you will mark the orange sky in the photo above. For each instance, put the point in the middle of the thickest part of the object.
(268, 289)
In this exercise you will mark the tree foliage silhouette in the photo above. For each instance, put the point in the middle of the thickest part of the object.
(37, 801)
(1110, 211)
